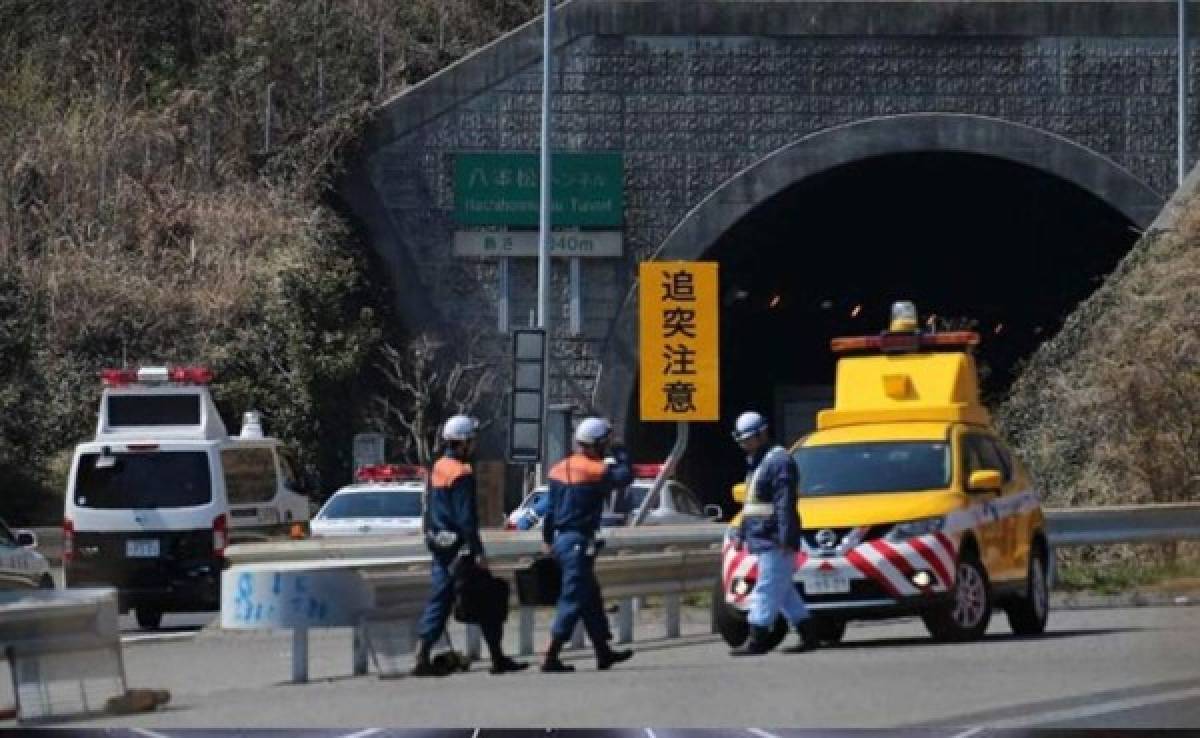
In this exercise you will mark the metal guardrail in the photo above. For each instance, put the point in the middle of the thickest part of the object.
(1123, 524)
(1065, 527)
(499, 544)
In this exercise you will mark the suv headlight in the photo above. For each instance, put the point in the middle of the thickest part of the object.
(914, 528)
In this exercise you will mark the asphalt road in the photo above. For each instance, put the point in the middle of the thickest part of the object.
(1137, 667)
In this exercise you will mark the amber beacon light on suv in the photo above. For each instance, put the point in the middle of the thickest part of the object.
(909, 501)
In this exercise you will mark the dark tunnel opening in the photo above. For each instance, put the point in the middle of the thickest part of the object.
(972, 240)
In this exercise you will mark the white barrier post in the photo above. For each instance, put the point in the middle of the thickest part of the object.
(525, 633)
(672, 608)
(300, 654)
(625, 620)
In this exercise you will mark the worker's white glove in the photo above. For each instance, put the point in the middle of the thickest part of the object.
(610, 460)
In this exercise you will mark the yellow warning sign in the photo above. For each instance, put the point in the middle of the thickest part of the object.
(680, 377)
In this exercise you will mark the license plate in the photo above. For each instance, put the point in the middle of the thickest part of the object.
(142, 549)
(826, 582)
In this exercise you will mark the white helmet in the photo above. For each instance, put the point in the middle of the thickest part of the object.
(592, 431)
(460, 428)
(748, 424)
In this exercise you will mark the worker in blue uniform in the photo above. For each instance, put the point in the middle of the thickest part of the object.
(770, 528)
(451, 523)
(579, 486)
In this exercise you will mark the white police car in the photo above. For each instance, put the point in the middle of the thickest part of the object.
(385, 499)
(676, 505)
(21, 566)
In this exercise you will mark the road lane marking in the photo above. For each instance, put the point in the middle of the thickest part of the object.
(365, 733)
(149, 733)
(1084, 711)
(762, 733)
(650, 733)
(968, 733)
(475, 733)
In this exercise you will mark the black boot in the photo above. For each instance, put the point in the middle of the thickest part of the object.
(756, 644)
(806, 637)
(502, 664)
(606, 657)
(424, 667)
(551, 663)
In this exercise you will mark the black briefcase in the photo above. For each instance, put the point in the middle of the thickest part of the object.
(480, 596)
(539, 583)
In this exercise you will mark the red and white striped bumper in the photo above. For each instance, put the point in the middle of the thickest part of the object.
(875, 572)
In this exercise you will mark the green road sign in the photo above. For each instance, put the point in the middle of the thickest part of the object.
(501, 189)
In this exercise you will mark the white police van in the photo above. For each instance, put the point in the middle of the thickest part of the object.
(154, 499)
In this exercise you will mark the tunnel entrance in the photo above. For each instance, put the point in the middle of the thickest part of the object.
(972, 240)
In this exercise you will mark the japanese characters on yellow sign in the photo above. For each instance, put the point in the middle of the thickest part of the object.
(679, 351)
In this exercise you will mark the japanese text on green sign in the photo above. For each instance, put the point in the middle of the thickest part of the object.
(501, 189)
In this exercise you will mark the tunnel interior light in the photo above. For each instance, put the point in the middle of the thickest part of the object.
(856, 311)
(775, 299)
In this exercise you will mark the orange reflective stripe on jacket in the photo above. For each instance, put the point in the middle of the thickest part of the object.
(447, 471)
(578, 469)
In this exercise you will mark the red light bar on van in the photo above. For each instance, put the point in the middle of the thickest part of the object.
(389, 473)
(118, 377)
(905, 342)
(156, 375)
(190, 374)
(646, 471)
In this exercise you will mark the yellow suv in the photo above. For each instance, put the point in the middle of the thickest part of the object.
(909, 502)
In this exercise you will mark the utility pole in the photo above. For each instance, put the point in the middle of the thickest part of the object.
(543, 311)
(1181, 144)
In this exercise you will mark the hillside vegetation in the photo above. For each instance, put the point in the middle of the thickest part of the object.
(143, 218)
(1108, 411)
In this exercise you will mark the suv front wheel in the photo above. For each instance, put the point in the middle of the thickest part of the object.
(966, 618)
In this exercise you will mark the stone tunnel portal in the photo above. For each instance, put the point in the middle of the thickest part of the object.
(972, 239)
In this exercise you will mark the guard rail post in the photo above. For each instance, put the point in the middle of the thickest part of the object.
(300, 654)
(625, 620)
(473, 638)
(671, 604)
(525, 631)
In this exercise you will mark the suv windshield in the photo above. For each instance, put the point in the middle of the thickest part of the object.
(144, 481)
(852, 468)
(374, 505)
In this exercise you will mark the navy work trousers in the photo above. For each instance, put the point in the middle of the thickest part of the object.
(580, 597)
